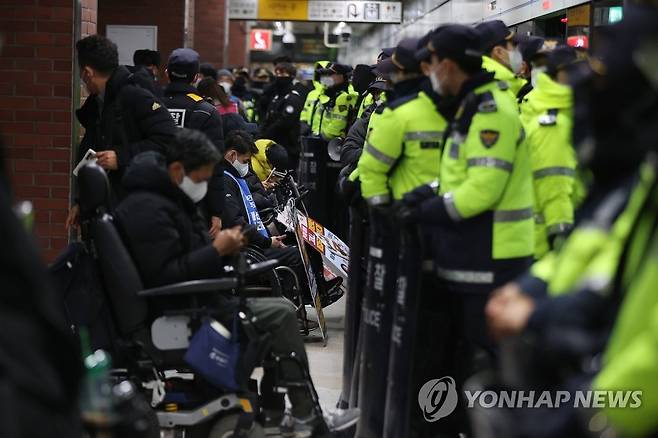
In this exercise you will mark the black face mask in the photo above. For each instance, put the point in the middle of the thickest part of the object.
(610, 142)
(258, 85)
(282, 82)
(362, 77)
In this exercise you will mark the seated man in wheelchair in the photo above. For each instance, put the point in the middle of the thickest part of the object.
(239, 209)
(169, 243)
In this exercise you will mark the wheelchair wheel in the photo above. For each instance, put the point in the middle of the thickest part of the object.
(225, 426)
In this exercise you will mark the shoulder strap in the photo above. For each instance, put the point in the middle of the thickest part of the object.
(250, 206)
(195, 97)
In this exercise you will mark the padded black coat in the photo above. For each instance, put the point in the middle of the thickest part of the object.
(132, 120)
(165, 235)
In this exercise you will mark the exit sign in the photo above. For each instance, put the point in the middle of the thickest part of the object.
(261, 40)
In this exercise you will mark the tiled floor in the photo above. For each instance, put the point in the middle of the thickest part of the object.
(327, 362)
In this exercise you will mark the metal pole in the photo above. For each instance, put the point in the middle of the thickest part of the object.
(226, 33)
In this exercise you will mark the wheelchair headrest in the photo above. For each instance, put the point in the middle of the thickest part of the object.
(94, 189)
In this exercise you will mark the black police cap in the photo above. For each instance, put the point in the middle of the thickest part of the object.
(530, 46)
(491, 33)
(386, 53)
(403, 58)
(379, 83)
(335, 68)
(559, 58)
(422, 52)
(455, 41)
(183, 64)
(287, 67)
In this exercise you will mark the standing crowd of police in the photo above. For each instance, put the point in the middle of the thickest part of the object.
(502, 201)
(499, 195)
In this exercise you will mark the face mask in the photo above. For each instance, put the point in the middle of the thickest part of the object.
(195, 191)
(515, 60)
(226, 86)
(327, 81)
(242, 168)
(436, 85)
(534, 75)
(283, 81)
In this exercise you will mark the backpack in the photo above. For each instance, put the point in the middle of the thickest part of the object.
(76, 280)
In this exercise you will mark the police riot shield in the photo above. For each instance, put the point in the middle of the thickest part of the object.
(399, 391)
(376, 319)
(355, 286)
(313, 176)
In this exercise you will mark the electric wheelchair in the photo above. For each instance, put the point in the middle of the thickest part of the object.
(149, 351)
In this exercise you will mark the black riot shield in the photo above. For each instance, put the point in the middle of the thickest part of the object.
(313, 176)
(376, 319)
(399, 391)
(355, 286)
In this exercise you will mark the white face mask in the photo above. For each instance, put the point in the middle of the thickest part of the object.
(242, 168)
(534, 75)
(226, 86)
(515, 60)
(327, 81)
(195, 191)
(436, 85)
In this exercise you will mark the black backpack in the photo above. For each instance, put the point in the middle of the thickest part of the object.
(76, 279)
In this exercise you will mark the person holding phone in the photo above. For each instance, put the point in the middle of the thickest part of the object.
(240, 209)
(169, 243)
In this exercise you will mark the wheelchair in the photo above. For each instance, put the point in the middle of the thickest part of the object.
(149, 352)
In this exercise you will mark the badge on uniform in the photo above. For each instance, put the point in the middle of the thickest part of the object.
(489, 137)
(155, 106)
(179, 116)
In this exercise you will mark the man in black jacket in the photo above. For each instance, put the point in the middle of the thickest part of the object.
(120, 118)
(281, 122)
(169, 243)
(190, 110)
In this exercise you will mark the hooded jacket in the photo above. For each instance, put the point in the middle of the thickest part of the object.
(547, 119)
(160, 225)
(502, 73)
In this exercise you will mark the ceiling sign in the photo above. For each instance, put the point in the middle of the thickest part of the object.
(282, 10)
(261, 40)
(317, 10)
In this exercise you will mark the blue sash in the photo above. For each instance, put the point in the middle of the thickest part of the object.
(249, 204)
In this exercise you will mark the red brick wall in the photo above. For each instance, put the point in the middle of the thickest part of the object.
(209, 30)
(209, 35)
(168, 15)
(35, 109)
(88, 17)
(237, 54)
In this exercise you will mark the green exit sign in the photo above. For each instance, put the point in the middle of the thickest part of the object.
(615, 14)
